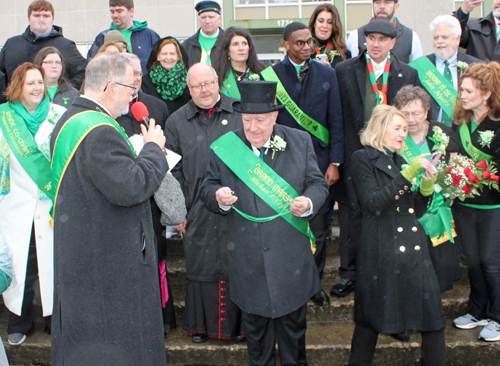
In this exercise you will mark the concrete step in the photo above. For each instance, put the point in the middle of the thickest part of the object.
(328, 344)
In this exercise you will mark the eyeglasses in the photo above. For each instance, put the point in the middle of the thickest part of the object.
(52, 63)
(416, 114)
(138, 73)
(198, 87)
(128, 86)
(301, 44)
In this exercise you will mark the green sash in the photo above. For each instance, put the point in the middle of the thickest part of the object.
(230, 86)
(71, 135)
(311, 126)
(412, 150)
(260, 178)
(434, 82)
(476, 154)
(23, 145)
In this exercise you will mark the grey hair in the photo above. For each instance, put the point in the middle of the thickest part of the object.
(448, 20)
(104, 68)
(189, 71)
(131, 56)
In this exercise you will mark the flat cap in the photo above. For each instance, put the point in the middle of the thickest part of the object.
(382, 27)
(207, 5)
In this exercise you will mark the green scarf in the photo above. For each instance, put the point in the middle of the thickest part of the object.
(137, 27)
(33, 120)
(169, 84)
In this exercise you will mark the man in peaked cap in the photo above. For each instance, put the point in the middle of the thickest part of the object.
(201, 44)
(255, 173)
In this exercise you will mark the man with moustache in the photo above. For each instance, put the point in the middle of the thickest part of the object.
(443, 63)
(480, 36)
(310, 93)
(407, 47)
(209, 312)
(201, 44)
(372, 78)
(138, 37)
(40, 33)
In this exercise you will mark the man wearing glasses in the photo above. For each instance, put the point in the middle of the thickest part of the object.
(190, 131)
(310, 93)
(106, 287)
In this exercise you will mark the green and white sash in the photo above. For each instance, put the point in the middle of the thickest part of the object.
(261, 179)
(476, 154)
(435, 83)
(310, 125)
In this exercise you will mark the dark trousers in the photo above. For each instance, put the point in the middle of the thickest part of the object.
(364, 341)
(24, 323)
(479, 232)
(289, 331)
(319, 228)
(350, 226)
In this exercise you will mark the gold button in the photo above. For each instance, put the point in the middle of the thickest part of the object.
(397, 197)
(406, 188)
(402, 248)
(390, 167)
(224, 122)
(411, 210)
(397, 209)
(414, 229)
(400, 229)
(401, 192)
(417, 247)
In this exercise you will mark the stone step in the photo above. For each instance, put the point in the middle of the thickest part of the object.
(328, 344)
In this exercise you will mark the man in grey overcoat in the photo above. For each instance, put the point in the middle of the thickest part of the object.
(271, 265)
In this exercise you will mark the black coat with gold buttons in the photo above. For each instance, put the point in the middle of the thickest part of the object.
(396, 286)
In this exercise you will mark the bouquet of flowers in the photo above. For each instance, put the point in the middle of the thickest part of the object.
(463, 178)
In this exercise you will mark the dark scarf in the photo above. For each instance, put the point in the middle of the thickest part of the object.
(169, 84)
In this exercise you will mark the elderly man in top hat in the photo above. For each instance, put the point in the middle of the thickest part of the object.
(266, 179)
(201, 44)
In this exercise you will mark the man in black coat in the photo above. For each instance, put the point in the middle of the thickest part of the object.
(312, 88)
(41, 33)
(480, 36)
(201, 44)
(189, 132)
(358, 100)
(106, 286)
(271, 267)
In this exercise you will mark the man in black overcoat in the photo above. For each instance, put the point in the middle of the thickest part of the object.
(358, 100)
(271, 266)
(107, 308)
(313, 88)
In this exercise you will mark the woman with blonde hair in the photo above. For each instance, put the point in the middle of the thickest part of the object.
(477, 122)
(396, 288)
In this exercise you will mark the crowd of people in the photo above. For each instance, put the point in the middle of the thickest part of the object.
(266, 153)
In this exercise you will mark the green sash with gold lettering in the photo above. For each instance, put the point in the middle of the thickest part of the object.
(261, 179)
(70, 137)
(434, 82)
(310, 125)
(476, 154)
(24, 147)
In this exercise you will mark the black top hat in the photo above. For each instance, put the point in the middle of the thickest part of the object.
(207, 5)
(257, 97)
(383, 27)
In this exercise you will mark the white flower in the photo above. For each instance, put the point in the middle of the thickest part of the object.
(462, 66)
(277, 144)
(486, 137)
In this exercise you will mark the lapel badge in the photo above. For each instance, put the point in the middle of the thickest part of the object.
(390, 167)
(224, 122)
(400, 75)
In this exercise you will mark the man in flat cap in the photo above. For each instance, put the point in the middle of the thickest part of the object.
(372, 78)
(201, 44)
(407, 47)
(265, 179)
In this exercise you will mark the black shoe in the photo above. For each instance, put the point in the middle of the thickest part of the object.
(343, 287)
(200, 338)
(321, 298)
(240, 338)
(403, 337)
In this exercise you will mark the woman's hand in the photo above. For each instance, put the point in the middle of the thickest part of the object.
(425, 163)
(430, 173)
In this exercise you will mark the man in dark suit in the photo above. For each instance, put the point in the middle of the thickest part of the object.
(312, 92)
(446, 34)
(271, 267)
(358, 96)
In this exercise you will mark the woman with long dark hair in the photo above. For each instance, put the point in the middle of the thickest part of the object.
(236, 60)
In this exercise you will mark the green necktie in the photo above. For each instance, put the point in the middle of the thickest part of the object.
(447, 75)
(262, 152)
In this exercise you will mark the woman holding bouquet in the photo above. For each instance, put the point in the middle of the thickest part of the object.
(426, 137)
(477, 122)
(396, 287)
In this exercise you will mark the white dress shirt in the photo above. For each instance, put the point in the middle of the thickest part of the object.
(452, 64)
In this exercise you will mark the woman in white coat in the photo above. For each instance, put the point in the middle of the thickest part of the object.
(26, 122)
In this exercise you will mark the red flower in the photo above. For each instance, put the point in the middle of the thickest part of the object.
(486, 174)
(474, 179)
(466, 188)
(467, 172)
(494, 177)
(482, 164)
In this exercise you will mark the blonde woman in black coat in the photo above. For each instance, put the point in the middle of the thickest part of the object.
(396, 286)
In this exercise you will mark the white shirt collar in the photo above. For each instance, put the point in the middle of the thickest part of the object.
(266, 145)
(452, 61)
(212, 36)
(294, 64)
(99, 104)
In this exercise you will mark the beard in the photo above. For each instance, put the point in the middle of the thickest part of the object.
(496, 13)
(384, 16)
